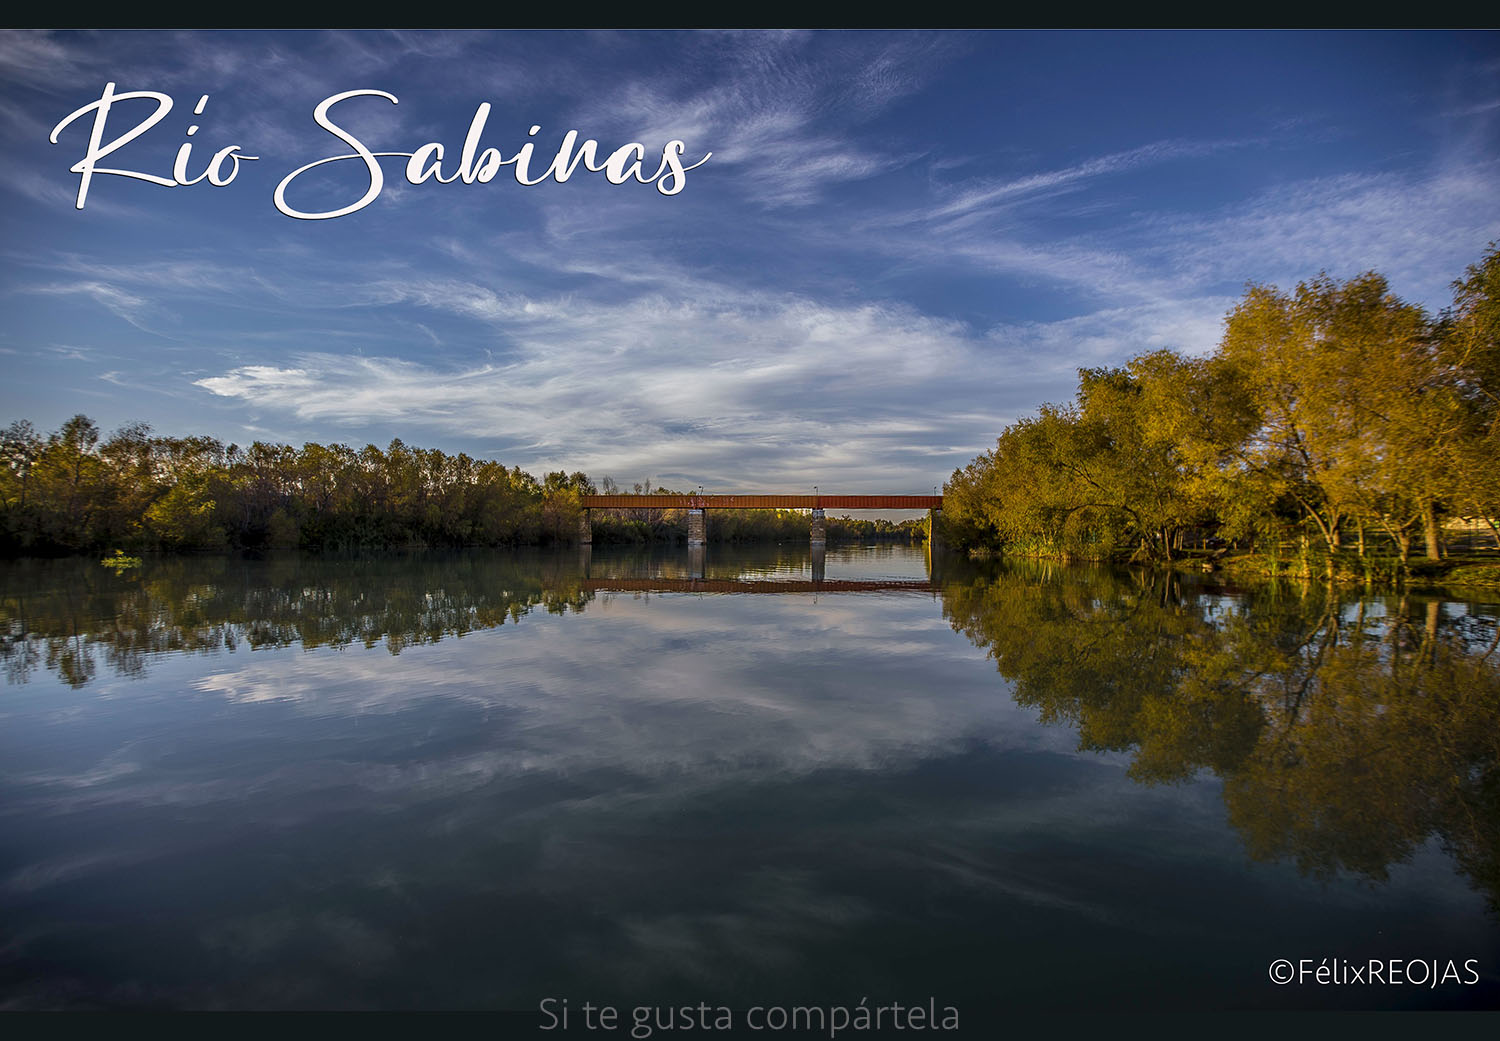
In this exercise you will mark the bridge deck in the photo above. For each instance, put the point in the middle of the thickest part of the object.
(764, 502)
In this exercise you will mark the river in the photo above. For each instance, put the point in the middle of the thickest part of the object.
(744, 777)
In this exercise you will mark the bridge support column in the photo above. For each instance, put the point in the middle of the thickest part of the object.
(697, 528)
(585, 529)
(819, 561)
(817, 526)
(698, 562)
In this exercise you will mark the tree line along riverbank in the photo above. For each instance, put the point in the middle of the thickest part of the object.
(1335, 431)
(76, 491)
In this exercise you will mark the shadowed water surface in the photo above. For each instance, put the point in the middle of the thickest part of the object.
(744, 777)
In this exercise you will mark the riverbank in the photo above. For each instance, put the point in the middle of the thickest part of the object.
(1473, 572)
(1467, 571)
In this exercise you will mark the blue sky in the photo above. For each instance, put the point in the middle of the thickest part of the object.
(900, 243)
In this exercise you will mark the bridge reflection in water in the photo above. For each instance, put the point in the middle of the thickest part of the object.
(734, 580)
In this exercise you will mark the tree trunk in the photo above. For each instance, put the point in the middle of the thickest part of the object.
(1430, 530)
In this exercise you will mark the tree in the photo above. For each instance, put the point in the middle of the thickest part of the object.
(69, 477)
(20, 445)
(1470, 345)
(1352, 415)
(1136, 456)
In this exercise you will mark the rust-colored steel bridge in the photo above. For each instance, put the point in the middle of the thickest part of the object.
(696, 505)
(763, 502)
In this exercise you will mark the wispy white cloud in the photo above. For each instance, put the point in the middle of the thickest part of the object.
(751, 390)
(1420, 228)
(779, 113)
(1418, 231)
(34, 58)
(793, 387)
(126, 305)
(1479, 109)
(196, 275)
(969, 198)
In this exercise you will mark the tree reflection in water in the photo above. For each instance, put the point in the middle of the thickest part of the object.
(1348, 728)
(66, 616)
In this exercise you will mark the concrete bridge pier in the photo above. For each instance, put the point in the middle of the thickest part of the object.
(698, 561)
(817, 526)
(585, 529)
(697, 527)
(819, 561)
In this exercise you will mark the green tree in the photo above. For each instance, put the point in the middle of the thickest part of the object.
(1470, 345)
(1352, 415)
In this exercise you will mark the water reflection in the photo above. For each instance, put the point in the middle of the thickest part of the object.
(310, 782)
(1348, 728)
(69, 617)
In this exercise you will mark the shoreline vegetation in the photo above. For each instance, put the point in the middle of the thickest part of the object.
(1336, 433)
(74, 492)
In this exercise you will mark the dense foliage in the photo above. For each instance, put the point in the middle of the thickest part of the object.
(1328, 418)
(72, 491)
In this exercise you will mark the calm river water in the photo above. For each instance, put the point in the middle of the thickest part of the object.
(750, 778)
